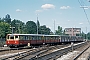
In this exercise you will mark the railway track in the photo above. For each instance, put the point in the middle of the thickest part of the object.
(46, 51)
(56, 54)
(43, 53)
(7, 50)
(81, 54)
(31, 53)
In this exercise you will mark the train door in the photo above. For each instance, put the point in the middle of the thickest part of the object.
(16, 39)
(59, 39)
(43, 39)
(52, 40)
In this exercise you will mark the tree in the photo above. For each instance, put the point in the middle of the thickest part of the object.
(31, 27)
(0, 19)
(59, 31)
(88, 35)
(83, 35)
(7, 19)
(44, 30)
(19, 26)
(64, 32)
(4, 29)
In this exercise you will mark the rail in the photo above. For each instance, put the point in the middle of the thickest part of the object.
(59, 53)
(38, 52)
(80, 53)
(23, 54)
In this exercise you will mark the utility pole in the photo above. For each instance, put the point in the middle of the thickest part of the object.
(37, 23)
(12, 29)
(54, 26)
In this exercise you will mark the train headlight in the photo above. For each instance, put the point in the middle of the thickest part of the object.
(15, 41)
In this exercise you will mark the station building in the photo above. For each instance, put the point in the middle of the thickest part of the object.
(73, 31)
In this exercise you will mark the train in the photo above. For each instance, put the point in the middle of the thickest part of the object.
(17, 40)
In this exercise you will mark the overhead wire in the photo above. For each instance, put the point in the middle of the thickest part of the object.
(84, 10)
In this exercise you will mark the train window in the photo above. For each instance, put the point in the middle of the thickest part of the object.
(16, 37)
(25, 37)
(42, 37)
(39, 38)
(21, 38)
(34, 38)
(46, 38)
(56, 38)
(30, 37)
(52, 38)
(11, 37)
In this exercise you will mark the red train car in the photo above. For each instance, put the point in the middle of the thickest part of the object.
(15, 40)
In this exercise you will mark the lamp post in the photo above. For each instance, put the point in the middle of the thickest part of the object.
(12, 29)
(18, 27)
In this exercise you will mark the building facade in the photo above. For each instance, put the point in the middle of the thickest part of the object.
(73, 31)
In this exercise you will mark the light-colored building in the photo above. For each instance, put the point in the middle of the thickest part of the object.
(73, 31)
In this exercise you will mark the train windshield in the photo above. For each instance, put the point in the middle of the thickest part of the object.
(11, 37)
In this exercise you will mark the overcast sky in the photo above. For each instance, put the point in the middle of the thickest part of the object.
(66, 13)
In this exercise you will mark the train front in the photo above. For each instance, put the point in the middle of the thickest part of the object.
(12, 40)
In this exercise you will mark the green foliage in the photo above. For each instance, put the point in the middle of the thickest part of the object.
(19, 26)
(59, 31)
(4, 29)
(64, 32)
(83, 35)
(31, 27)
(0, 19)
(44, 30)
(88, 35)
(7, 19)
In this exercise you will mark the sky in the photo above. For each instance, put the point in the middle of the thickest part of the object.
(64, 13)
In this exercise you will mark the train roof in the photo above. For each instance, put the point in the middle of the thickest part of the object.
(36, 35)
(33, 34)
